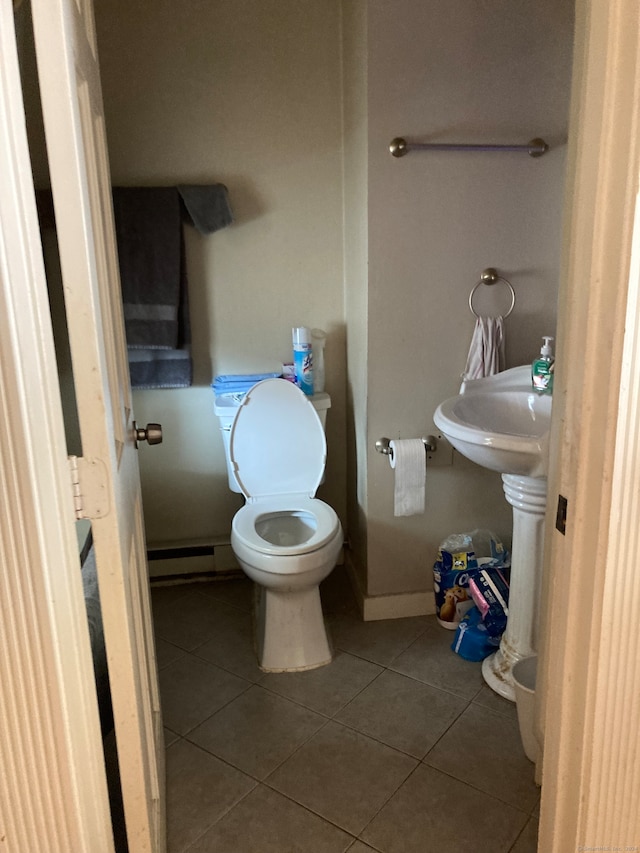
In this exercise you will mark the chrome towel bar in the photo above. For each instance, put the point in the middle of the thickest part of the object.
(398, 147)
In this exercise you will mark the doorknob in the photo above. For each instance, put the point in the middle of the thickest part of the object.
(152, 433)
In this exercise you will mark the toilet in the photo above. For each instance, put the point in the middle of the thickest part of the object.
(285, 539)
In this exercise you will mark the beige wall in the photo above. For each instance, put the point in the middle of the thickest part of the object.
(292, 103)
(247, 93)
(456, 72)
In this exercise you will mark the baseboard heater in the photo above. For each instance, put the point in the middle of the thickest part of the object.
(196, 561)
(183, 561)
(180, 551)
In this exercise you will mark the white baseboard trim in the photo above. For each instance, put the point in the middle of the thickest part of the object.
(398, 606)
(392, 606)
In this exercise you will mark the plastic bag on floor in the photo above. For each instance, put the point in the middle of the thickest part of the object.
(472, 640)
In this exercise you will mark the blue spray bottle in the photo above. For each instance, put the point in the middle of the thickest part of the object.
(303, 358)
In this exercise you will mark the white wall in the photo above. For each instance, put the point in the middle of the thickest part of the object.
(292, 103)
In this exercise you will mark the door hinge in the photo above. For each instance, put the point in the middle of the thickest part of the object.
(89, 487)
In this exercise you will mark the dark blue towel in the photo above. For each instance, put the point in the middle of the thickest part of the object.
(207, 205)
(149, 236)
(153, 275)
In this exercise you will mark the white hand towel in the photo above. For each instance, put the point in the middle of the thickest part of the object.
(486, 353)
(409, 461)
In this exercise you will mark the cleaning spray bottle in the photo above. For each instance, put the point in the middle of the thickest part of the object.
(303, 358)
(542, 369)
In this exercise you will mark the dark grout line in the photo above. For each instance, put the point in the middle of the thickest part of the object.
(390, 797)
(476, 788)
(224, 814)
(313, 812)
(518, 837)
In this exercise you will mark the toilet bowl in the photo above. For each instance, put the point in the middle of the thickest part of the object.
(285, 539)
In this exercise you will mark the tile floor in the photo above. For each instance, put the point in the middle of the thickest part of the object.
(397, 746)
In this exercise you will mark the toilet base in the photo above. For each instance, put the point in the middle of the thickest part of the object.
(290, 630)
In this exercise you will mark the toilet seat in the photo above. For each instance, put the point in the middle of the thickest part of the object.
(257, 525)
(277, 444)
(278, 449)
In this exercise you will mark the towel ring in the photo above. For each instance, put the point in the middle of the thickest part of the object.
(490, 276)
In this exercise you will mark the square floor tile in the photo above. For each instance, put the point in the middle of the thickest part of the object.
(200, 789)
(192, 619)
(433, 813)
(237, 593)
(233, 649)
(528, 839)
(167, 593)
(402, 712)
(267, 822)
(192, 689)
(488, 698)
(328, 688)
(483, 749)
(380, 641)
(359, 847)
(430, 659)
(257, 731)
(167, 653)
(342, 775)
(535, 811)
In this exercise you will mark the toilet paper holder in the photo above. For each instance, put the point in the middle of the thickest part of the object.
(383, 445)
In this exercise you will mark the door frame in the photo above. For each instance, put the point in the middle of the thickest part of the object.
(587, 707)
(53, 789)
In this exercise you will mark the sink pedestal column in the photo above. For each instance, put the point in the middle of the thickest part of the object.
(528, 497)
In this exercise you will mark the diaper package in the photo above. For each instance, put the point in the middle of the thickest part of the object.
(458, 555)
(489, 591)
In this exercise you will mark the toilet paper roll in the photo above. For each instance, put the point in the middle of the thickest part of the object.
(408, 460)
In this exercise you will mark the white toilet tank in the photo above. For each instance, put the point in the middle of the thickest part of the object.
(226, 407)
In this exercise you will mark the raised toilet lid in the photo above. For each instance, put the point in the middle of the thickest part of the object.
(277, 443)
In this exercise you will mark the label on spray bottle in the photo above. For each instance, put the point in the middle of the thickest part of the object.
(303, 358)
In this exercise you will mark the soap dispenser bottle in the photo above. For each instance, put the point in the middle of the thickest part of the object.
(542, 369)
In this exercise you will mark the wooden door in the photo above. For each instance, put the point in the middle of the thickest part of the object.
(108, 469)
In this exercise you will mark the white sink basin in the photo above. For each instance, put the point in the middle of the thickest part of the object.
(500, 422)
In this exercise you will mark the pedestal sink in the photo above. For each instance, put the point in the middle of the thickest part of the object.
(502, 424)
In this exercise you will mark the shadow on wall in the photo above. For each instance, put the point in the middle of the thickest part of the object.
(246, 202)
(247, 205)
(415, 572)
(480, 506)
(202, 500)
